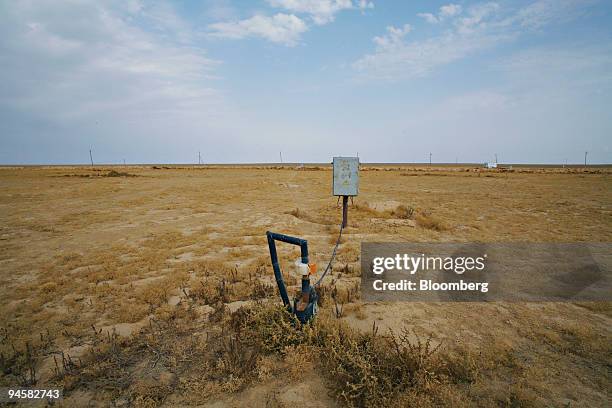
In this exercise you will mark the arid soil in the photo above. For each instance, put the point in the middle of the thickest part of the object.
(123, 285)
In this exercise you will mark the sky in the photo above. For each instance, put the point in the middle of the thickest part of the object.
(241, 81)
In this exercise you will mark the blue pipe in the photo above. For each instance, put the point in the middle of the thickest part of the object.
(303, 244)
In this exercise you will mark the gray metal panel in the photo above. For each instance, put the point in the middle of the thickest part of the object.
(346, 176)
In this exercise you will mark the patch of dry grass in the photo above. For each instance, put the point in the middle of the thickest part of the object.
(429, 222)
(367, 369)
(403, 212)
(77, 253)
(321, 217)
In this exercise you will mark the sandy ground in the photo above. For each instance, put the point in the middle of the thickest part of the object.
(81, 252)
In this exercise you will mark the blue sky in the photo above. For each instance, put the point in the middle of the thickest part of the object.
(156, 82)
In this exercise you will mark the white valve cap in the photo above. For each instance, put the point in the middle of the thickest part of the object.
(301, 269)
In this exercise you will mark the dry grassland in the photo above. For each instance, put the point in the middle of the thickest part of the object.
(144, 286)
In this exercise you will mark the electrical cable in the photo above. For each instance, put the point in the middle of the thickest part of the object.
(332, 257)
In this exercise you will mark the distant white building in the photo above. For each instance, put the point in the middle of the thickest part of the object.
(490, 165)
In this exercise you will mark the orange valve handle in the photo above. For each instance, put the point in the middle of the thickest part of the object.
(312, 268)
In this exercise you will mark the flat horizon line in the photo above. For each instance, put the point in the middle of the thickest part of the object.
(420, 164)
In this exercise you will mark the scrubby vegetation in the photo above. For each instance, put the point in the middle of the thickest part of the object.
(101, 173)
(365, 369)
(157, 289)
(179, 354)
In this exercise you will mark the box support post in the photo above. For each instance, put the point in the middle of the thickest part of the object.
(344, 211)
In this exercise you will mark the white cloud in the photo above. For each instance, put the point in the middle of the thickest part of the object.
(393, 37)
(544, 12)
(482, 26)
(396, 59)
(66, 66)
(450, 10)
(430, 18)
(477, 18)
(446, 11)
(88, 46)
(279, 28)
(320, 11)
(285, 28)
(365, 4)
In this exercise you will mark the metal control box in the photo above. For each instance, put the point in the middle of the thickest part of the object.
(346, 176)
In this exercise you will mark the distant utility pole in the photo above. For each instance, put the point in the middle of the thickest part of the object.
(495, 158)
(281, 156)
(585, 157)
(91, 157)
(430, 159)
(199, 158)
(123, 162)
